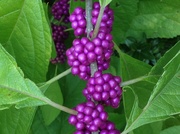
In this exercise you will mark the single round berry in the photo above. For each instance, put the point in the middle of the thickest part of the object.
(80, 126)
(72, 120)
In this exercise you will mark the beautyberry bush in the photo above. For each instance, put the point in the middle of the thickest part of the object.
(69, 67)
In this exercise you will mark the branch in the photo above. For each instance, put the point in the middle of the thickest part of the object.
(57, 77)
(133, 81)
(41, 98)
(96, 29)
(89, 26)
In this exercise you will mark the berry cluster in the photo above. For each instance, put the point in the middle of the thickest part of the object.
(107, 18)
(60, 10)
(59, 36)
(84, 52)
(91, 118)
(78, 20)
(101, 89)
(58, 32)
(104, 89)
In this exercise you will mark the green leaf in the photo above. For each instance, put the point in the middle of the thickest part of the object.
(164, 101)
(156, 19)
(15, 121)
(74, 4)
(158, 68)
(114, 68)
(170, 122)
(25, 34)
(131, 68)
(104, 2)
(124, 14)
(14, 88)
(71, 87)
(38, 126)
(152, 128)
(54, 93)
(171, 130)
(118, 119)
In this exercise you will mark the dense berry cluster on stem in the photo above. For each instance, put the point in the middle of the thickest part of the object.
(78, 19)
(104, 89)
(60, 10)
(90, 117)
(101, 89)
(59, 35)
(84, 52)
(107, 18)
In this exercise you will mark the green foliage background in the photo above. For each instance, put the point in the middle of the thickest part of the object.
(148, 106)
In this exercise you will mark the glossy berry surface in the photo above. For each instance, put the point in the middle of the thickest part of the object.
(84, 52)
(89, 117)
(104, 89)
(107, 18)
(78, 21)
(109, 128)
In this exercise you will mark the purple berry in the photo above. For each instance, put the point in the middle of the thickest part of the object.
(80, 126)
(90, 117)
(59, 35)
(95, 114)
(80, 107)
(88, 110)
(78, 21)
(60, 10)
(72, 120)
(87, 52)
(103, 116)
(97, 96)
(104, 88)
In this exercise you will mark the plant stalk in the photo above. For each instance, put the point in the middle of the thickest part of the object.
(130, 82)
(96, 29)
(117, 48)
(60, 107)
(89, 26)
(69, 29)
(43, 99)
(59, 76)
